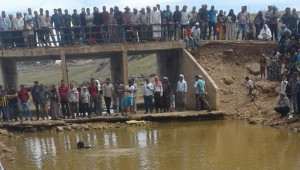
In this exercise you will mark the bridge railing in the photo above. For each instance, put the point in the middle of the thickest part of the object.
(89, 35)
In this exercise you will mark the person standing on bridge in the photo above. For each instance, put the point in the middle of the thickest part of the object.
(57, 20)
(243, 19)
(63, 93)
(5, 35)
(155, 20)
(230, 25)
(67, 19)
(44, 29)
(18, 25)
(181, 92)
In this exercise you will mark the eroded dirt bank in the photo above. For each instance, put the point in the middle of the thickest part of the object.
(228, 64)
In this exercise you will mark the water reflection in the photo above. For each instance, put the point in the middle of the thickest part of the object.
(196, 145)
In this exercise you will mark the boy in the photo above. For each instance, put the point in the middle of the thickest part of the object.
(129, 97)
(85, 98)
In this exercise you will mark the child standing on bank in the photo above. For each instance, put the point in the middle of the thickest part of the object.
(129, 97)
(85, 99)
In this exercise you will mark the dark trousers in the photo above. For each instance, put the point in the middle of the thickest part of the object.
(65, 107)
(211, 25)
(37, 109)
(166, 102)
(13, 111)
(94, 102)
(107, 104)
(85, 108)
(204, 26)
(283, 111)
(274, 30)
(18, 38)
(5, 37)
(67, 35)
(198, 102)
(74, 109)
(298, 102)
(148, 103)
(258, 28)
(157, 101)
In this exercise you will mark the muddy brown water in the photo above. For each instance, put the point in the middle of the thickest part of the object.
(212, 145)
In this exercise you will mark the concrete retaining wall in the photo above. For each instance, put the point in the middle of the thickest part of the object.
(191, 68)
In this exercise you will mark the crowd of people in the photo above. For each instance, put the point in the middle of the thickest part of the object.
(42, 29)
(283, 65)
(69, 101)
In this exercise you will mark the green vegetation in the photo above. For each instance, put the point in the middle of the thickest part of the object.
(80, 73)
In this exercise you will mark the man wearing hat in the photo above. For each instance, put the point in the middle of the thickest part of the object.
(196, 32)
(181, 91)
(127, 20)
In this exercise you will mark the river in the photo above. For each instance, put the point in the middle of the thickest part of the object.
(211, 145)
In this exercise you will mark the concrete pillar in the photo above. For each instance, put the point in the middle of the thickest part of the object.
(119, 67)
(9, 73)
(64, 69)
(169, 65)
(1, 73)
(125, 67)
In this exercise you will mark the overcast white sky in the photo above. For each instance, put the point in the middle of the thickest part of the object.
(12, 6)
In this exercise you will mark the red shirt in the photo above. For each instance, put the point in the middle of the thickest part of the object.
(23, 95)
(63, 92)
(93, 90)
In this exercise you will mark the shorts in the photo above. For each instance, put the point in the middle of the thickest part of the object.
(129, 101)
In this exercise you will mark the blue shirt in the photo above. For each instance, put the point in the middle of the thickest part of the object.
(5, 23)
(57, 19)
(202, 84)
(212, 15)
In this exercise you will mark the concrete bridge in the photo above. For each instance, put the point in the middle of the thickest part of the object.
(172, 60)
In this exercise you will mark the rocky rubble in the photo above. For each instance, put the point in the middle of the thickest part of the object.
(228, 64)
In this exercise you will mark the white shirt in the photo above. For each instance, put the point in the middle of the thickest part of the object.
(148, 92)
(250, 84)
(89, 19)
(129, 94)
(42, 21)
(107, 90)
(18, 24)
(185, 17)
(158, 89)
(196, 32)
(181, 86)
(283, 85)
(155, 17)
